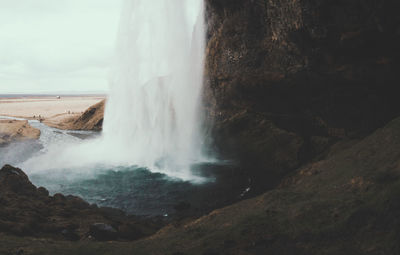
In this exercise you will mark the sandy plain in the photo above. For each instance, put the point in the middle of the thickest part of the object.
(47, 107)
(51, 110)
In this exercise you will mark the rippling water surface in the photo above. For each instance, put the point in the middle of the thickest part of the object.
(133, 189)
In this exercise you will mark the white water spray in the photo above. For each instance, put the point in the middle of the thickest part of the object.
(152, 113)
(152, 116)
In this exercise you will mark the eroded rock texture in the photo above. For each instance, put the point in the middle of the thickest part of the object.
(91, 119)
(29, 211)
(286, 78)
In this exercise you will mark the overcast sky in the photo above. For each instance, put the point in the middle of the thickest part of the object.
(56, 45)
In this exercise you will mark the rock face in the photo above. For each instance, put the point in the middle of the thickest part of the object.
(345, 203)
(29, 211)
(293, 76)
(16, 130)
(91, 119)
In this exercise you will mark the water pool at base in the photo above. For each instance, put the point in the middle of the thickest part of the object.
(133, 189)
(139, 191)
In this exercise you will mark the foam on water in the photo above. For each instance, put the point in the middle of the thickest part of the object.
(153, 111)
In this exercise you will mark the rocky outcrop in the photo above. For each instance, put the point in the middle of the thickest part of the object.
(298, 75)
(346, 203)
(91, 119)
(16, 130)
(29, 211)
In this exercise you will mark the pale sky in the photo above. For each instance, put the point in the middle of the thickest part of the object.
(49, 46)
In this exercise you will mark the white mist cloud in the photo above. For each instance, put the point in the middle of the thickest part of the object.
(52, 46)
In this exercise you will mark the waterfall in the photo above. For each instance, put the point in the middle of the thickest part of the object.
(152, 116)
(153, 111)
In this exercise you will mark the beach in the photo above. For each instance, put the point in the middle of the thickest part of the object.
(13, 130)
(46, 107)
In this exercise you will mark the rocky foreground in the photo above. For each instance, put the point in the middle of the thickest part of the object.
(16, 130)
(346, 203)
(29, 211)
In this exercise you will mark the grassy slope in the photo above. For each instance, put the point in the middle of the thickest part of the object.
(346, 204)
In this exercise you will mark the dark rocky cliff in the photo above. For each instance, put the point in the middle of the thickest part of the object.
(287, 78)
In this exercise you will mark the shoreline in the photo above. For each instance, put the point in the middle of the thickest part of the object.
(49, 108)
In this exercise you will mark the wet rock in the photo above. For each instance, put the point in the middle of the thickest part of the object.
(103, 232)
(15, 180)
(59, 198)
(77, 202)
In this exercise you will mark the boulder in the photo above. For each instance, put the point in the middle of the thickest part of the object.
(16, 181)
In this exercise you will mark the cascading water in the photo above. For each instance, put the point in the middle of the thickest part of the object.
(152, 127)
(152, 122)
(152, 113)
(152, 116)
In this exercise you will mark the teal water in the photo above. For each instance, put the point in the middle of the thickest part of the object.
(140, 192)
(133, 189)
